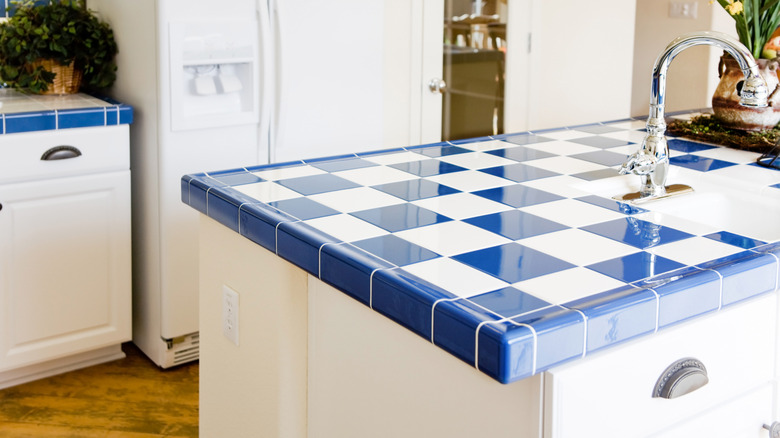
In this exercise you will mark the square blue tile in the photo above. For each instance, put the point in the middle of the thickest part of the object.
(314, 184)
(600, 142)
(400, 217)
(395, 250)
(519, 172)
(520, 153)
(687, 146)
(635, 267)
(427, 167)
(441, 151)
(518, 195)
(515, 224)
(513, 262)
(415, 189)
(701, 164)
(611, 204)
(331, 165)
(303, 208)
(637, 233)
(735, 239)
(594, 175)
(509, 302)
(236, 178)
(524, 139)
(605, 158)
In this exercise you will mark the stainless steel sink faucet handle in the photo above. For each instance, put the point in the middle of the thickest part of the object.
(651, 161)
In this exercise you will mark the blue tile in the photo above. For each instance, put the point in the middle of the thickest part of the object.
(506, 351)
(617, 315)
(395, 250)
(197, 194)
(611, 204)
(701, 164)
(515, 224)
(605, 158)
(560, 335)
(521, 153)
(745, 275)
(29, 122)
(687, 146)
(524, 139)
(332, 165)
(314, 184)
(635, 266)
(684, 293)
(735, 239)
(80, 118)
(594, 175)
(600, 142)
(636, 232)
(275, 166)
(381, 152)
(427, 167)
(300, 244)
(415, 189)
(349, 269)
(519, 172)
(597, 129)
(303, 208)
(509, 302)
(236, 178)
(441, 151)
(770, 162)
(258, 222)
(222, 207)
(125, 114)
(518, 195)
(513, 262)
(400, 217)
(406, 299)
(455, 327)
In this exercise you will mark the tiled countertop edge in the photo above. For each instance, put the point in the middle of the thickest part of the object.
(114, 114)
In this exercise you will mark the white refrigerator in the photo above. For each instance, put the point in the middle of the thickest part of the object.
(220, 85)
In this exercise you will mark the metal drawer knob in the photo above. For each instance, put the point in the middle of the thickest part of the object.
(680, 378)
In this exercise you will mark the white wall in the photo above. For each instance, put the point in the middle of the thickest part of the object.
(692, 76)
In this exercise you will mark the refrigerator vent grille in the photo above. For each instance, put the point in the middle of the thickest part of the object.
(183, 350)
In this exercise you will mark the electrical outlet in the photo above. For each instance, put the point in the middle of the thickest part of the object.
(230, 314)
(686, 10)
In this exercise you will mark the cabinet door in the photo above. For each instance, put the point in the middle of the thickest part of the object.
(64, 267)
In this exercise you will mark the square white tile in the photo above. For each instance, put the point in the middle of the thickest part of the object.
(461, 205)
(288, 172)
(346, 228)
(579, 247)
(452, 238)
(571, 284)
(470, 180)
(267, 191)
(695, 250)
(357, 199)
(572, 212)
(565, 165)
(375, 175)
(395, 158)
(455, 277)
(476, 160)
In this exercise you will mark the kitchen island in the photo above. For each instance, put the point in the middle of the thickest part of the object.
(324, 283)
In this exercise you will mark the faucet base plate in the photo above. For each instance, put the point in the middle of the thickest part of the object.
(638, 198)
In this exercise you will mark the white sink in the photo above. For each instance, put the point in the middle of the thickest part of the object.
(726, 204)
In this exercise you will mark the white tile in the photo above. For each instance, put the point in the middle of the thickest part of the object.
(671, 221)
(487, 145)
(629, 124)
(729, 154)
(564, 134)
(288, 172)
(455, 277)
(461, 205)
(579, 247)
(357, 199)
(571, 284)
(470, 180)
(375, 175)
(476, 160)
(565, 165)
(346, 228)
(695, 250)
(573, 213)
(452, 238)
(395, 158)
(753, 175)
(562, 147)
(267, 191)
(562, 185)
(632, 136)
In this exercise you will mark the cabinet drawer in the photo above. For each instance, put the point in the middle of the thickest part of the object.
(610, 393)
(101, 149)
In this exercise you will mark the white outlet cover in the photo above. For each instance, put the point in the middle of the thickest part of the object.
(230, 314)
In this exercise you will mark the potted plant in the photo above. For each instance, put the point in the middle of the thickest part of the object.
(57, 47)
(756, 21)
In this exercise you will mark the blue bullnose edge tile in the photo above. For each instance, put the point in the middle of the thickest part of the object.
(772, 249)
(235, 177)
(506, 351)
(560, 335)
(274, 166)
(455, 326)
(745, 274)
(380, 152)
(222, 207)
(406, 299)
(617, 315)
(258, 222)
(684, 293)
(349, 269)
(125, 114)
(471, 140)
(197, 189)
(29, 122)
(300, 244)
(185, 186)
(75, 118)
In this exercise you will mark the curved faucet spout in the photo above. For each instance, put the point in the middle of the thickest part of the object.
(654, 153)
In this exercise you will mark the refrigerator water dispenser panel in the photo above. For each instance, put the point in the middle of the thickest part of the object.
(214, 73)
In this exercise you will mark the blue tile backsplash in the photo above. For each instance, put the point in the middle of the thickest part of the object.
(490, 248)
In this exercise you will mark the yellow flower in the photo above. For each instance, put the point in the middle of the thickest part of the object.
(734, 8)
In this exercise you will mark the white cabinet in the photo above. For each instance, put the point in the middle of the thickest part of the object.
(64, 251)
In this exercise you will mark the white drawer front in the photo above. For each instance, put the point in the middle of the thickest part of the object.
(101, 149)
(610, 394)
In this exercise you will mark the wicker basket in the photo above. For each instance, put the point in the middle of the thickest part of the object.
(67, 79)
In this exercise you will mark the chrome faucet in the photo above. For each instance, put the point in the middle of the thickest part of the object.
(651, 161)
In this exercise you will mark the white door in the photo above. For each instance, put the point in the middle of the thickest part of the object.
(64, 267)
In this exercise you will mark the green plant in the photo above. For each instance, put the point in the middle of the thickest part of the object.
(755, 21)
(62, 30)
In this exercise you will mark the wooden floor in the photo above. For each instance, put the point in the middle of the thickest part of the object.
(130, 398)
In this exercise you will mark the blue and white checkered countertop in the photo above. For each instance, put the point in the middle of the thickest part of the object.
(489, 249)
(30, 112)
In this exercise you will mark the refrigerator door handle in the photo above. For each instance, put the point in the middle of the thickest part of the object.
(277, 134)
(266, 72)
